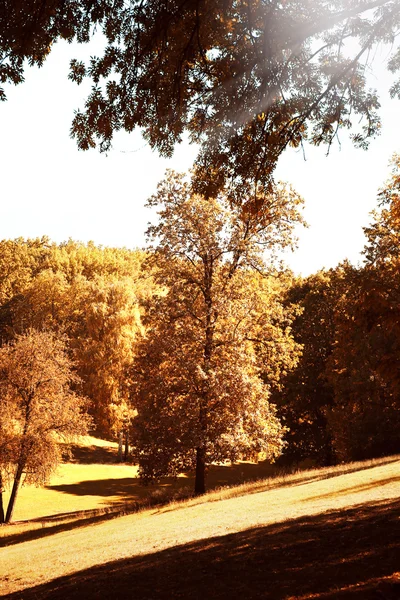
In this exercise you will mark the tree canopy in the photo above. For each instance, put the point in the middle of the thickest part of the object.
(245, 79)
(90, 293)
(306, 395)
(365, 364)
(341, 402)
(38, 408)
(200, 396)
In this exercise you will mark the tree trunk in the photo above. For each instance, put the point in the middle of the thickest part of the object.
(1, 500)
(200, 482)
(14, 492)
(120, 445)
(126, 451)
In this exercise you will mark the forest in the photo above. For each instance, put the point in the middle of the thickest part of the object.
(192, 419)
(203, 348)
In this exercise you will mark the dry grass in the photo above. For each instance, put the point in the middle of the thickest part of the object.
(272, 522)
(91, 484)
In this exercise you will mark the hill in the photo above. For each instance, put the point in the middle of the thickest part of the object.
(329, 533)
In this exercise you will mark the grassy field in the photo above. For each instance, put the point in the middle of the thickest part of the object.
(330, 533)
(92, 482)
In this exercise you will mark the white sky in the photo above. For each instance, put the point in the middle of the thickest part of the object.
(48, 187)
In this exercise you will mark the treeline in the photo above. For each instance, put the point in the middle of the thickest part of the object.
(90, 294)
(342, 401)
(70, 316)
(201, 349)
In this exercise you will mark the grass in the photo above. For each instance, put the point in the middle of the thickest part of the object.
(323, 533)
(91, 483)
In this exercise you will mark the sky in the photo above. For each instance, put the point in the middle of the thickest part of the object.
(48, 187)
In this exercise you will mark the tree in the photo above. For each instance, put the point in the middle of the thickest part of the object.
(306, 394)
(364, 367)
(20, 261)
(90, 293)
(38, 408)
(199, 393)
(363, 370)
(244, 79)
(383, 259)
(383, 235)
(103, 344)
(29, 28)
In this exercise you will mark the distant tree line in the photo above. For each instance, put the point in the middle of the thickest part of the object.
(69, 320)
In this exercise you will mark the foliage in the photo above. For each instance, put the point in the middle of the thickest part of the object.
(90, 293)
(200, 396)
(364, 370)
(103, 344)
(38, 408)
(245, 79)
(28, 29)
(365, 365)
(341, 401)
(384, 232)
(306, 396)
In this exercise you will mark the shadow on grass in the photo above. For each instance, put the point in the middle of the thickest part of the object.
(88, 455)
(127, 487)
(339, 554)
(128, 495)
(131, 489)
(362, 487)
(71, 521)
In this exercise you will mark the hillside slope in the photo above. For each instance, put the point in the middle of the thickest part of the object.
(306, 538)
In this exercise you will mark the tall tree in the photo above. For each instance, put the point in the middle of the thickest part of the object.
(306, 394)
(245, 79)
(103, 340)
(200, 396)
(365, 367)
(38, 408)
(382, 253)
(383, 235)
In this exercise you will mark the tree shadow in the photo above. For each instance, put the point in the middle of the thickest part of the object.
(88, 455)
(218, 476)
(237, 473)
(340, 554)
(128, 487)
(362, 487)
(68, 522)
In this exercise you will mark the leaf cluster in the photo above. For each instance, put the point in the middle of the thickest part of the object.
(90, 293)
(244, 79)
